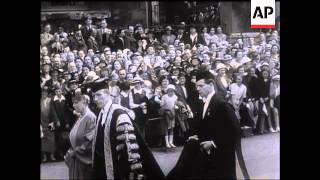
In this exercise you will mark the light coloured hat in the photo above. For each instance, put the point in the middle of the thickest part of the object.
(171, 86)
(221, 66)
(264, 64)
(169, 28)
(137, 80)
(246, 59)
(92, 76)
(227, 57)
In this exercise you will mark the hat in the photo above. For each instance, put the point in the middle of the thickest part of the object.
(221, 66)
(227, 57)
(171, 86)
(204, 75)
(99, 84)
(168, 28)
(92, 76)
(276, 77)
(246, 59)
(137, 80)
(264, 64)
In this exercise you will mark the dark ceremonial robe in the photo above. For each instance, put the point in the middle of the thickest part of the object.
(219, 125)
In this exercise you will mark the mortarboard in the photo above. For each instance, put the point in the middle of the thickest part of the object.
(204, 75)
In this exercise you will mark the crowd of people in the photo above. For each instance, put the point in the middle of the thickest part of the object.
(153, 76)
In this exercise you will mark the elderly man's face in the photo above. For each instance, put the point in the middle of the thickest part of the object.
(101, 98)
(203, 88)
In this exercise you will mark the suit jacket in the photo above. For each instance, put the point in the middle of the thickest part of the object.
(263, 88)
(119, 44)
(180, 92)
(131, 43)
(85, 32)
(169, 41)
(93, 44)
(220, 125)
(198, 40)
(183, 38)
(109, 41)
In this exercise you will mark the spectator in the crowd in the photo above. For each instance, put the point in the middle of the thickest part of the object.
(275, 100)
(124, 94)
(168, 104)
(77, 41)
(132, 42)
(221, 36)
(194, 38)
(48, 143)
(222, 80)
(168, 38)
(120, 40)
(92, 41)
(264, 103)
(79, 156)
(238, 93)
(61, 115)
(57, 46)
(138, 103)
(104, 37)
(204, 36)
(46, 38)
(87, 29)
(181, 34)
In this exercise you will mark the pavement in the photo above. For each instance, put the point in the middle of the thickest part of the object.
(261, 154)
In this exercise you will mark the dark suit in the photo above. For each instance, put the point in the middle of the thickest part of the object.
(93, 44)
(197, 40)
(220, 126)
(181, 93)
(120, 44)
(182, 38)
(85, 31)
(104, 40)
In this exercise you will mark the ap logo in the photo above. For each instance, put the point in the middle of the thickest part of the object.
(262, 13)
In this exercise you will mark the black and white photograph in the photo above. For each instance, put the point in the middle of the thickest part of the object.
(159, 90)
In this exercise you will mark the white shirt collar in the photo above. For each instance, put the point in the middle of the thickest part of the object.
(60, 99)
(207, 102)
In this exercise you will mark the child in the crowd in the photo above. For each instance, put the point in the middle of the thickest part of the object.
(168, 103)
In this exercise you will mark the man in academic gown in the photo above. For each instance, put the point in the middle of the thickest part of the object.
(119, 152)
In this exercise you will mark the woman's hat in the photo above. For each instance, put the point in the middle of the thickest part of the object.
(168, 28)
(92, 76)
(171, 86)
(137, 80)
(227, 57)
(221, 66)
